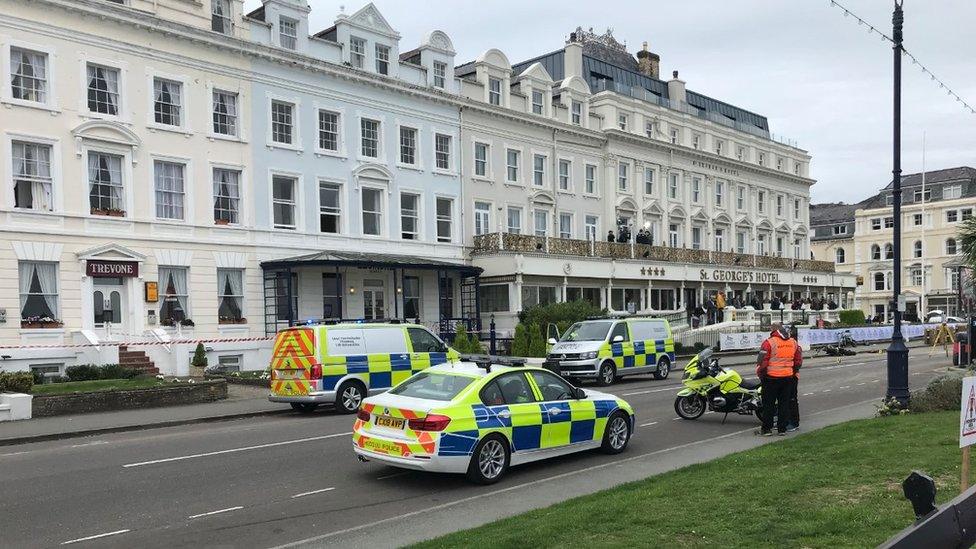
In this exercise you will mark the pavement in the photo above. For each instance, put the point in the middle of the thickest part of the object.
(289, 479)
(242, 401)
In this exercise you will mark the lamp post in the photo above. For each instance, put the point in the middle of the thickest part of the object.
(897, 351)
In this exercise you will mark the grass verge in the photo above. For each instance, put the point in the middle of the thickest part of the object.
(97, 385)
(836, 487)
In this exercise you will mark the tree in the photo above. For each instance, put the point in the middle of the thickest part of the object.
(464, 343)
(199, 357)
(967, 237)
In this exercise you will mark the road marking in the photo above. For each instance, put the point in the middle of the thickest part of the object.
(393, 475)
(313, 492)
(13, 454)
(827, 390)
(807, 394)
(217, 512)
(648, 424)
(875, 380)
(676, 419)
(859, 384)
(96, 443)
(845, 387)
(96, 536)
(615, 463)
(234, 450)
(650, 391)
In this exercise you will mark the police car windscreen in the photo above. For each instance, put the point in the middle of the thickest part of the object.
(432, 386)
(587, 331)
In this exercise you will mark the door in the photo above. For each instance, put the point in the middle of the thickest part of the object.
(374, 304)
(566, 420)
(108, 305)
(511, 407)
(622, 351)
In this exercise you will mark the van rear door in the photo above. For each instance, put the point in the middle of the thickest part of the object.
(292, 359)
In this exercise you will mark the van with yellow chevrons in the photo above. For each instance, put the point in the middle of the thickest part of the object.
(606, 349)
(342, 364)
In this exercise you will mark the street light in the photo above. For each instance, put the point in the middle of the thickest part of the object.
(897, 351)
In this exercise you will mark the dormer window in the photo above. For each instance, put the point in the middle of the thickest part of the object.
(537, 102)
(220, 16)
(577, 112)
(382, 59)
(494, 91)
(357, 52)
(288, 33)
(440, 74)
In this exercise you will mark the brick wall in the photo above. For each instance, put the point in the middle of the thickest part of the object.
(103, 401)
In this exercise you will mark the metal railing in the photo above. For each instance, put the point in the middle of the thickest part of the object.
(493, 243)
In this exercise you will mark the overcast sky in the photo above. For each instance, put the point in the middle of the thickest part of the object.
(818, 77)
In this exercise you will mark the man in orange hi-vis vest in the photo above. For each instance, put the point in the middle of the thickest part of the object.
(779, 359)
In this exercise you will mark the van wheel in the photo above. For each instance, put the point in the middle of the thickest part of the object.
(490, 460)
(663, 368)
(608, 374)
(304, 408)
(349, 396)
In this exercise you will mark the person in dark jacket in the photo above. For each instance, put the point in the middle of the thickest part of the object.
(610, 237)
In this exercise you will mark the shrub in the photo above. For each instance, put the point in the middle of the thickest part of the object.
(942, 393)
(464, 343)
(16, 382)
(520, 341)
(199, 357)
(116, 371)
(528, 341)
(83, 372)
(852, 318)
(563, 315)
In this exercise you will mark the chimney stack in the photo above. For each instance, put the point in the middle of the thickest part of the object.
(648, 62)
(676, 89)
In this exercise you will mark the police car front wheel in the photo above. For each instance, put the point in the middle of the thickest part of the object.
(349, 396)
(490, 460)
(617, 433)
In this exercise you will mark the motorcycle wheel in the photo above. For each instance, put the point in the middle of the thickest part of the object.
(690, 406)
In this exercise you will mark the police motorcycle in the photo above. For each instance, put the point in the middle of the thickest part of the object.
(709, 386)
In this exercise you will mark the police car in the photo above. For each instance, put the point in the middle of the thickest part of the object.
(479, 418)
(343, 363)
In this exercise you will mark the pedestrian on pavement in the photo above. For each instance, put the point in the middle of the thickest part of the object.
(779, 359)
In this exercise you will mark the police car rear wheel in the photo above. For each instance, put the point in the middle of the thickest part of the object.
(490, 460)
(608, 373)
(349, 397)
(617, 434)
(663, 368)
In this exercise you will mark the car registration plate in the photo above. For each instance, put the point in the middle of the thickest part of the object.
(391, 422)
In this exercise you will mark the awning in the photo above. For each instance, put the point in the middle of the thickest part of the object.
(372, 260)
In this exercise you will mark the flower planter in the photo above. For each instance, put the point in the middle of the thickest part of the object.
(108, 213)
(41, 325)
(221, 222)
(225, 321)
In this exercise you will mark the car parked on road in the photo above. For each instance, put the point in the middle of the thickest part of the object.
(607, 349)
(480, 419)
(345, 363)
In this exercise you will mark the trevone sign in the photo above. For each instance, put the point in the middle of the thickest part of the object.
(98, 268)
(729, 275)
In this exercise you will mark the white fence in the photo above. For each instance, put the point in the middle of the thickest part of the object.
(808, 337)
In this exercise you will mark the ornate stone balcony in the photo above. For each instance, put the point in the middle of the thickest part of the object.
(493, 243)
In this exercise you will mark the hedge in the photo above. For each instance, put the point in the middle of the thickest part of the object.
(16, 382)
(852, 317)
(90, 372)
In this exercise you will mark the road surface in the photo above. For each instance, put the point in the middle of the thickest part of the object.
(268, 481)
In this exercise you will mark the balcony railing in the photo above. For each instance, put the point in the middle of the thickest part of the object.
(493, 243)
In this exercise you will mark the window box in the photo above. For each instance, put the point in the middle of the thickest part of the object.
(186, 323)
(36, 323)
(221, 222)
(229, 320)
(111, 212)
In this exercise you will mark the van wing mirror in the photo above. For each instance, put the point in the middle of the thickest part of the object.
(617, 338)
(552, 341)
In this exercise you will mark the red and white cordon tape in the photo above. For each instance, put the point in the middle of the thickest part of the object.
(138, 343)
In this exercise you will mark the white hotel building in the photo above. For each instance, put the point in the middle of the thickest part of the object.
(185, 169)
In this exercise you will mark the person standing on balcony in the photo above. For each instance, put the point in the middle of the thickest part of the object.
(610, 237)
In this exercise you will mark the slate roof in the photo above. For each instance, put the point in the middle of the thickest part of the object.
(961, 173)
